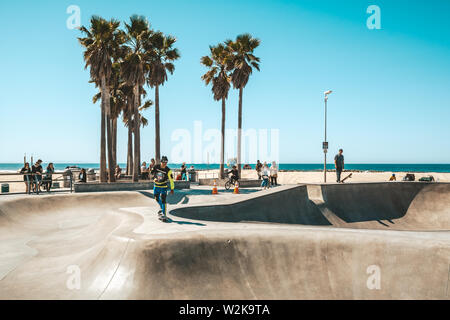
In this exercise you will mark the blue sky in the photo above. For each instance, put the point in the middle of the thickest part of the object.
(390, 102)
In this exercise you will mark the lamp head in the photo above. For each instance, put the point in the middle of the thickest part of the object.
(327, 92)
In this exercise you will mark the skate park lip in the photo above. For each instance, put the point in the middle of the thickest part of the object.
(310, 241)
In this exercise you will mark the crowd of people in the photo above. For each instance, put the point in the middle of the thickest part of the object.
(267, 174)
(146, 171)
(34, 177)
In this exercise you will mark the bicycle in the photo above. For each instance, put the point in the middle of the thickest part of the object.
(231, 182)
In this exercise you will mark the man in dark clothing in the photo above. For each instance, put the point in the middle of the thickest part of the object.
(37, 170)
(234, 174)
(183, 171)
(339, 164)
(258, 169)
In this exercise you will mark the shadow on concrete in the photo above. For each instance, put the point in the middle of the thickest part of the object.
(182, 196)
(169, 220)
(290, 206)
(382, 223)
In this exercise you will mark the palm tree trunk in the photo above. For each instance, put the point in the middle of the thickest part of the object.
(130, 139)
(114, 142)
(222, 143)
(157, 132)
(239, 132)
(136, 130)
(102, 132)
(139, 124)
(111, 177)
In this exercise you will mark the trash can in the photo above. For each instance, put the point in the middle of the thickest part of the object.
(67, 176)
(192, 176)
(5, 188)
(90, 175)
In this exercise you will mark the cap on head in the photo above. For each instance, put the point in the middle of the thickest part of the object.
(164, 159)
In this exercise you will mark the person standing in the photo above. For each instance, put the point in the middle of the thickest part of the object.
(258, 168)
(273, 174)
(163, 176)
(37, 170)
(265, 173)
(26, 177)
(339, 164)
(48, 177)
(183, 171)
(150, 167)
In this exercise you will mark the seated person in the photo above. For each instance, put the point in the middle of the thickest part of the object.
(144, 171)
(117, 172)
(82, 175)
(393, 178)
(234, 174)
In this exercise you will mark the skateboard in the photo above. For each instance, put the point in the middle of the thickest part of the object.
(349, 176)
(163, 218)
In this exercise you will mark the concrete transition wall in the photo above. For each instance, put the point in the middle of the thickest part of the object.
(123, 186)
(403, 205)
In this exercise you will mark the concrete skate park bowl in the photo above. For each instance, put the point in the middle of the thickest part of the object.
(350, 241)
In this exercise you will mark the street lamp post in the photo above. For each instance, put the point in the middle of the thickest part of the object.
(325, 142)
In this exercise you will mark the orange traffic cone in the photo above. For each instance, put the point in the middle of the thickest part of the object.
(214, 190)
(236, 188)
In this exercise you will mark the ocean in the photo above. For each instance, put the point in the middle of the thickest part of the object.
(394, 167)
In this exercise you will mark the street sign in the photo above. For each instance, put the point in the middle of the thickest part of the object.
(325, 145)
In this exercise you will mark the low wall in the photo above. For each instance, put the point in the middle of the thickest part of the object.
(221, 182)
(123, 186)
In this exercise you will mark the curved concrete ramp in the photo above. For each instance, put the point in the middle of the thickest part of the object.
(318, 246)
(415, 206)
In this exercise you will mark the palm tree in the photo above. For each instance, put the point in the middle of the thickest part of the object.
(101, 43)
(128, 121)
(118, 105)
(127, 118)
(163, 54)
(218, 63)
(134, 68)
(242, 66)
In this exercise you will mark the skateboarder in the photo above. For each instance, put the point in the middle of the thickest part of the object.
(339, 164)
(163, 175)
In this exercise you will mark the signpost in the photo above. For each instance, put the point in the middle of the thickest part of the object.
(325, 143)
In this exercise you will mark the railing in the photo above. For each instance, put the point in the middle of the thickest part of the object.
(34, 184)
(207, 175)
